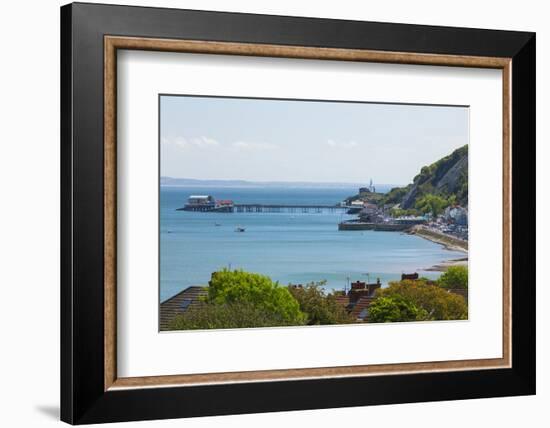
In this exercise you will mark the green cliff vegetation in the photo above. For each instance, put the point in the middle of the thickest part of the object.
(395, 195)
(366, 196)
(437, 186)
(433, 204)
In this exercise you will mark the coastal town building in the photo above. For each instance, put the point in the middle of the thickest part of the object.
(410, 220)
(358, 298)
(200, 200)
(369, 209)
(363, 289)
(207, 203)
(371, 213)
(452, 222)
(355, 207)
(456, 214)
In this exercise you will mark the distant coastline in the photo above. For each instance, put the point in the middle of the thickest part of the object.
(192, 182)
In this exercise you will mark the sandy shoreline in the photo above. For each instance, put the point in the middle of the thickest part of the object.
(448, 242)
(443, 266)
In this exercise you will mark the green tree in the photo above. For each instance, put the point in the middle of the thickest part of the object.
(238, 286)
(395, 195)
(398, 212)
(438, 303)
(430, 203)
(227, 315)
(319, 307)
(395, 309)
(454, 277)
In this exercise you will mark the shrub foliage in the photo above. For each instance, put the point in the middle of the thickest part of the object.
(319, 307)
(454, 277)
(437, 302)
(395, 309)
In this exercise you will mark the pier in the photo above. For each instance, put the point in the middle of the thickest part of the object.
(292, 208)
(207, 203)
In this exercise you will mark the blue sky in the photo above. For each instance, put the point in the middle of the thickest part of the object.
(272, 140)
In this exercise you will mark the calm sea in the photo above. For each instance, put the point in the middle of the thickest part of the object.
(289, 247)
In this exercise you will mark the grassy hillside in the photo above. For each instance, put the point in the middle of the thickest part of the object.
(448, 178)
(445, 180)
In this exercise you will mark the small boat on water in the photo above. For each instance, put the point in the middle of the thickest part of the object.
(217, 224)
(239, 229)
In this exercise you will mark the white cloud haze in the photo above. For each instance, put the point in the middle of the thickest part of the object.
(246, 145)
(342, 144)
(285, 140)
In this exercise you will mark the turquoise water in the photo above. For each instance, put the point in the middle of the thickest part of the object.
(289, 247)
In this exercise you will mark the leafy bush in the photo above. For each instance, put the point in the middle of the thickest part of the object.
(438, 303)
(433, 204)
(395, 309)
(319, 308)
(228, 315)
(237, 286)
(398, 212)
(454, 277)
(395, 195)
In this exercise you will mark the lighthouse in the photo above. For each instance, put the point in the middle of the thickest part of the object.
(371, 187)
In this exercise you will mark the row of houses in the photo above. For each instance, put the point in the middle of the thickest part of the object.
(456, 214)
(453, 221)
(356, 300)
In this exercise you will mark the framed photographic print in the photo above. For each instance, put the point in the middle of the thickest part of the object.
(266, 213)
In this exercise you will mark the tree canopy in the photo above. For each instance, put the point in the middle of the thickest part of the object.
(239, 299)
(454, 277)
(319, 307)
(433, 204)
(438, 303)
(395, 308)
(238, 286)
(228, 315)
(398, 212)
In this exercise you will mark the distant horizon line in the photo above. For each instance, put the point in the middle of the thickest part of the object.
(270, 182)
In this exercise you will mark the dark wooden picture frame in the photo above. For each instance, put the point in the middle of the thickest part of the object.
(90, 389)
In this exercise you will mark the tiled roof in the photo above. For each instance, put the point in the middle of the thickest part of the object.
(362, 303)
(179, 303)
(342, 300)
(355, 307)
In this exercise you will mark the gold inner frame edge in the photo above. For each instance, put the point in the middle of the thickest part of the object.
(113, 43)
